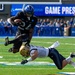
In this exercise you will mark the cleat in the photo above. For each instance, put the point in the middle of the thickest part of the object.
(72, 54)
(10, 50)
(6, 41)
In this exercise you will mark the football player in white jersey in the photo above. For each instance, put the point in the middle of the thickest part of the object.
(37, 51)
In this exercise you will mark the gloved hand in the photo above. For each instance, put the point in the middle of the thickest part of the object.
(24, 61)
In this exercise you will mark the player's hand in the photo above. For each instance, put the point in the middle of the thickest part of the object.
(24, 61)
(19, 22)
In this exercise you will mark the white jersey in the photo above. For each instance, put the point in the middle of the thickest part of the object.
(42, 51)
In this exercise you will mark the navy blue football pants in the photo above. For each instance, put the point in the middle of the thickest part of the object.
(56, 57)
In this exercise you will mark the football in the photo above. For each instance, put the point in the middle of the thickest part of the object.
(17, 20)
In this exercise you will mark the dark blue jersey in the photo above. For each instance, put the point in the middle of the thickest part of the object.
(29, 22)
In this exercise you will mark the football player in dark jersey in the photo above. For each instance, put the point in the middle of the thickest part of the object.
(25, 28)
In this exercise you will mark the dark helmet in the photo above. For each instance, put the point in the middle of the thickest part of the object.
(29, 10)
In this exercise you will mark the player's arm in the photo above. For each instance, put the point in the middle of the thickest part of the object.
(34, 55)
(11, 19)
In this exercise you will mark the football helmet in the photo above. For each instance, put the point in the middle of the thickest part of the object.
(29, 10)
(24, 51)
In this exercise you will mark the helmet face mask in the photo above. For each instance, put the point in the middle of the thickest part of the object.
(29, 10)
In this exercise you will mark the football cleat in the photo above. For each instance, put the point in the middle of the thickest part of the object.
(6, 41)
(10, 50)
(72, 54)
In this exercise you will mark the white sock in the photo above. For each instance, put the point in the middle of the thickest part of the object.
(68, 59)
(73, 64)
(55, 44)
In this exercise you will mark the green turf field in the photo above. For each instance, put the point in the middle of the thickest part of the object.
(67, 45)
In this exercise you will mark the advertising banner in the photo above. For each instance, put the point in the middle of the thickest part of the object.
(72, 31)
(47, 9)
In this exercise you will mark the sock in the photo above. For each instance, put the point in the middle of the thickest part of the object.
(68, 59)
(72, 63)
(54, 45)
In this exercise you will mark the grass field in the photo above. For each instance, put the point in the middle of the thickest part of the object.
(67, 45)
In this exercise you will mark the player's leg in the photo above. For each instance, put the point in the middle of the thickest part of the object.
(22, 37)
(10, 50)
(72, 54)
(59, 60)
(7, 42)
(56, 57)
(69, 59)
(16, 47)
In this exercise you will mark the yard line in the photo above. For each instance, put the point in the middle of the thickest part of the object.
(67, 73)
(47, 43)
(53, 42)
(29, 63)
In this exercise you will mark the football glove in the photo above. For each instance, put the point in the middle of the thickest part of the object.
(24, 61)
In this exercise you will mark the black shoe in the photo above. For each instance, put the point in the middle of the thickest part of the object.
(6, 41)
(72, 55)
(10, 50)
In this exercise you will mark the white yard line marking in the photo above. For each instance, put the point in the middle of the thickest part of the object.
(47, 43)
(29, 63)
(53, 42)
(67, 73)
(1, 56)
